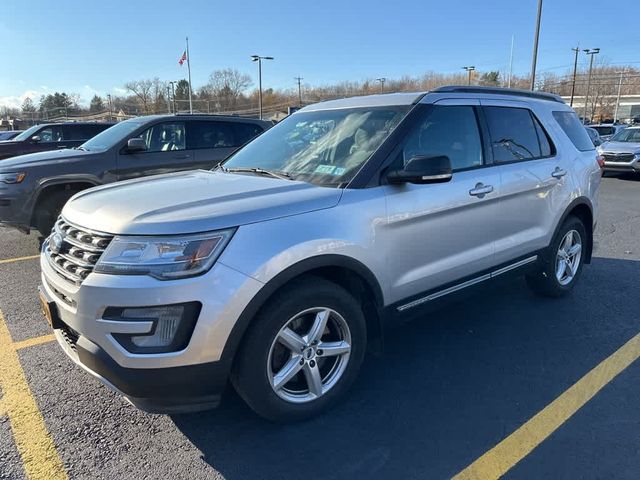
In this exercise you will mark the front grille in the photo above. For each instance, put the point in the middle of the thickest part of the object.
(70, 335)
(76, 252)
(618, 157)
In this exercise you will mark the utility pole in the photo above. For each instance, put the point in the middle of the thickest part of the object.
(168, 99)
(299, 80)
(591, 52)
(615, 115)
(469, 70)
(535, 46)
(575, 69)
(258, 58)
(381, 80)
(110, 108)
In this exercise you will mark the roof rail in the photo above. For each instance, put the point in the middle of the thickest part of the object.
(499, 91)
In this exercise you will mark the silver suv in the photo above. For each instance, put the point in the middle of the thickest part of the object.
(278, 269)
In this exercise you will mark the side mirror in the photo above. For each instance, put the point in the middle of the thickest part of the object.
(422, 169)
(136, 145)
(36, 139)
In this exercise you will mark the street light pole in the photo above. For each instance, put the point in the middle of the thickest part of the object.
(469, 69)
(535, 46)
(258, 58)
(110, 109)
(381, 80)
(173, 95)
(575, 69)
(299, 80)
(615, 115)
(591, 52)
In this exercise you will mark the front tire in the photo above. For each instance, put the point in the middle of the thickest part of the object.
(302, 352)
(48, 209)
(559, 273)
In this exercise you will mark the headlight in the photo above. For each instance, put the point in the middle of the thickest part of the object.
(164, 258)
(12, 177)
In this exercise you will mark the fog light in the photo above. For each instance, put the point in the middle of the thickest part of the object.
(167, 320)
(171, 331)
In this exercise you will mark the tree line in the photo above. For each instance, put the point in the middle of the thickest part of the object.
(229, 90)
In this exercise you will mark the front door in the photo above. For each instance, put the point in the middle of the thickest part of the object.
(440, 234)
(166, 152)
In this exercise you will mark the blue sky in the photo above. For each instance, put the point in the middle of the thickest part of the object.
(91, 47)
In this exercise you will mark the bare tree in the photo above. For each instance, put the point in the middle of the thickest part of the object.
(225, 87)
(142, 89)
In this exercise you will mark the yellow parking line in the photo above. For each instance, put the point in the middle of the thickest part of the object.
(19, 259)
(35, 445)
(30, 342)
(501, 458)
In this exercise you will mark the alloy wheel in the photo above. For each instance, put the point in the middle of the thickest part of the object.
(568, 257)
(309, 355)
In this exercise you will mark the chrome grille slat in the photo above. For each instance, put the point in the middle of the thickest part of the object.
(79, 252)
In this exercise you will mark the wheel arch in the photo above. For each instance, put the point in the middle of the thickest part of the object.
(51, 186)
(581, 208)
(345, 271)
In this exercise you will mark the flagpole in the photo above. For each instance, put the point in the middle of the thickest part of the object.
(189, 69)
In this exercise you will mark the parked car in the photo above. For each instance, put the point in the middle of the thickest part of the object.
(33, 188)
(607, 130)
(9, 134)
(51, 136)
(594, 136)
(281, 266)
(622, 152)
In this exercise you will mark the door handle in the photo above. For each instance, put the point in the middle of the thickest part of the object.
(182, 157)
(558, 173)
(480, 190)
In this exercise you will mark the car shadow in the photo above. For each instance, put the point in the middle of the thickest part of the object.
(447, 388)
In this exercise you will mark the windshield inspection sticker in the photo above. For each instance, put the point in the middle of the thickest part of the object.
(326, 169)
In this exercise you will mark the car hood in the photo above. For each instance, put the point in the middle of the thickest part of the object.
(621, 147)
(40, 158)
(191, 202)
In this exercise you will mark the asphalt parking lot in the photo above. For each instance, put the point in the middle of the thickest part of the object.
(503, 383)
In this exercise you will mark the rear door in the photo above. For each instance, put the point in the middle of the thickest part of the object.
(166, 152)
(533, 178)
(213, 141)
(442, 233)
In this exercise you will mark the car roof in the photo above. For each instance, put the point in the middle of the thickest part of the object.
(409, 98)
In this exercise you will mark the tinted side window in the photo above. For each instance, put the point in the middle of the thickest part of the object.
(165, 137)
(211, 135)
(574, 129)
(546, 148)
(246, 131)
(76, 132)
(447, 130)
(513, 134)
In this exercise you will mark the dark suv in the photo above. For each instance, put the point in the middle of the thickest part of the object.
(51, 136)
(35, 187)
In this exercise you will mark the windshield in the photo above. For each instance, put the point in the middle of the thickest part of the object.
(627, 135)
(324, 148)
(27, 133)
(111, 136)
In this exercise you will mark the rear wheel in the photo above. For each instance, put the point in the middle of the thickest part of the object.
(558, 275)
(48, 209)
(302, 352)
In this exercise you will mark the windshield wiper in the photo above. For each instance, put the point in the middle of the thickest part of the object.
(259, 171)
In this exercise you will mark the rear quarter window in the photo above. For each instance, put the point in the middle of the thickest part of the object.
(571, 125)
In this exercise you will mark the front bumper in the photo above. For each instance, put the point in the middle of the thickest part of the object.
(187, 380)
(632, 166)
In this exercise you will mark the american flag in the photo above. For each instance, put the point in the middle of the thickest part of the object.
(183, 58)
